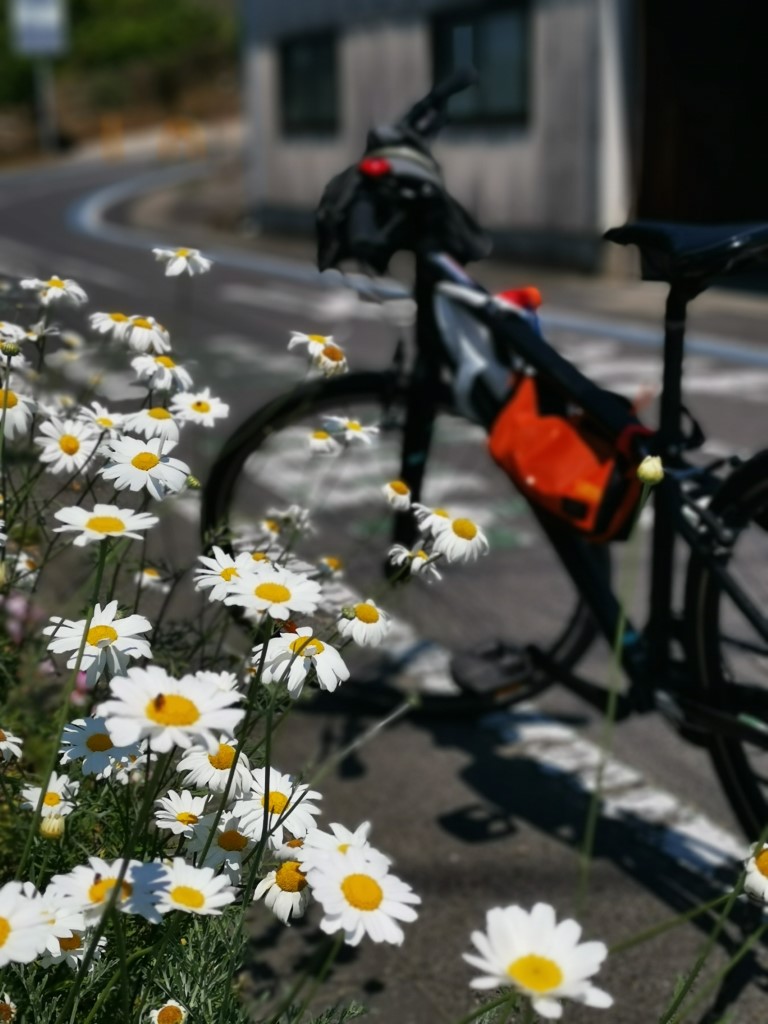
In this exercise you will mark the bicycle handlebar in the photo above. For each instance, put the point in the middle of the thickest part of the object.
(426, 114)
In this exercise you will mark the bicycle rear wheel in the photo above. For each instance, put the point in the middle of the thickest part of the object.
(728, 650)
(519, 590)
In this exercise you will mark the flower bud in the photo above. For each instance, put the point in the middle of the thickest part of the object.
(9, 348)
(193, 483)
(650, 471)
(52, 827)
(348, 612)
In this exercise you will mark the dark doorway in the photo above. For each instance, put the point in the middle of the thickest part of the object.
(704, 150)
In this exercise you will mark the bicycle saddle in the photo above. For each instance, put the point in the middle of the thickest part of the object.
(690, 253)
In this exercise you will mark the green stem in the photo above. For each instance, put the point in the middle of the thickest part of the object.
(494, 1004)
(333, 952)
(668, 925)
(122, 954)
(103, 546)
(739, 955)
(609, 719)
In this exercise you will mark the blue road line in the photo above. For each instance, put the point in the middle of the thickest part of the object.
(89, 216)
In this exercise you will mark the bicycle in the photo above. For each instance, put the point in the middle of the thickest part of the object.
(704, 663)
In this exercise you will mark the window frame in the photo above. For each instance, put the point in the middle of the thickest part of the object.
(308, 127)
(476, 13)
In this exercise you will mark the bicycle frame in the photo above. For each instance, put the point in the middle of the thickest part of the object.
(646, 654)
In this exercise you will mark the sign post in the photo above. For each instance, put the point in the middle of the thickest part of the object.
(40, 29)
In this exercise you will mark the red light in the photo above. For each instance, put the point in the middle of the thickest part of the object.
(528, 297)
(374, 166)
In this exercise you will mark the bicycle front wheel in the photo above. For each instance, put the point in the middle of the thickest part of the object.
(519, 591)
(730, 652)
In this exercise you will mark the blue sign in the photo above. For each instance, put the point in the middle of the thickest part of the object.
(39, 28)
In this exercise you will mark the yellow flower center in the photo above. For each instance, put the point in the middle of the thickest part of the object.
(320, 435)
(536, 973)
(232, 840)
(69, 444)
(228, 573)
(223, 758)
(3, 737)
(277, 802)
(54, 282)
(319, 338)
(289, 877)
(170, 709)
(259, 556)
(105, 524)
(169, 1015)
(5, 930)
(442, 512)
(306, 646)
(7, 1012)
(342, 847)
(272, 525)
(354, 425)
(183, 253)
(366, 613)
(99, 741)
(10, 399)
(72, 943)
(187, 896)
(421, 553)
(201, 406)
(51, 799)
(158, 413)
(98, 634)
(333, 563)
(464, 528)
(187, 818)
(145, 461)
(102, 887)
(362, 892)
(141, 321)
(152, 573)
(119, 318)
(165, 361)
(104, 421)
(275, 593)
(334, 353)
(295, 844)
(761, 861)
(399, 487)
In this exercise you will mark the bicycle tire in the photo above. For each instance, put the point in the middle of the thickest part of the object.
(717, 633)
(312, 399)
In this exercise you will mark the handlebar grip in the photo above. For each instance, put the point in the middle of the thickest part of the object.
(457, 82)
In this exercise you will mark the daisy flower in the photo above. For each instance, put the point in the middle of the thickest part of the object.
(66, 445)
(10, 745)
(154, 422)
(210, 769)
(315, 343)
(230, 846)
(18, 410)
(756, 880)
(23, 928)
(11, 332)
(110, 643)
(161, 372)
(321, 443)
(331, 360)
(217, 574)
(179, 260)
(285, 890)
(290, 657)
(430, 520)
(56, 290)
(135, 464)
(169, 1013)
(59, 798)
(460, 540)
(145, 334)
(294, 518)
(275, 591)
(103, 521)
(102, 419)
(72, 950)
(318, 845)
(351, 430)
(26, 568)
(194, 890)
(90, 886)
(147, 702)
(199, 407)
(539, 958)
(180, 812)
(87, 740)
(219, 680)
(365, 623)
(330, 567)
(62, 917)
(398, 494)
(416, 562)
(115, 325)
(7, 1009)
(149, 578)
(289, 806)
(360, 897)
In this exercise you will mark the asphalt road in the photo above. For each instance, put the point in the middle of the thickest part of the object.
(475, 814)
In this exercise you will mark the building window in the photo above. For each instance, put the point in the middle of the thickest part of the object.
(308, 86)
(496, 42)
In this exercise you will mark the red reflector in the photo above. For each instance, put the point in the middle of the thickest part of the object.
(374, 166)
(528, 297)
